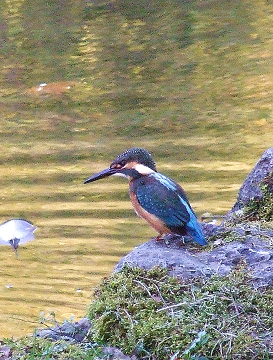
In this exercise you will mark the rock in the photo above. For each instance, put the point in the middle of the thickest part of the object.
(185, 261)
(116, 354)
(5, 353)
(251, 186)
(73, 332)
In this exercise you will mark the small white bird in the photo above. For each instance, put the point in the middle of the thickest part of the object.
(15, 232)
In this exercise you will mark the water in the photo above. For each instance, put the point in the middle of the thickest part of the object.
(189, 81)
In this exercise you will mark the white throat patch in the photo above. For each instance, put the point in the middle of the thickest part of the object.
(143, 170)
(121, 175)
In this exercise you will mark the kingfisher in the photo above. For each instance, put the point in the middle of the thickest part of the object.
(155, 197)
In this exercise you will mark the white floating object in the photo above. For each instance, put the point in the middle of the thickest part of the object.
(15, 232)
(41, 86)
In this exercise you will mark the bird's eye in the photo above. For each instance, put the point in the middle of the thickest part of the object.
(118, 165)
(122, 163)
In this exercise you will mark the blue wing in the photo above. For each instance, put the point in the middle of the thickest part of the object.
(164, 198)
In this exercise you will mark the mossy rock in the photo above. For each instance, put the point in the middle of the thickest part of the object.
(158, 317)
(258, 184)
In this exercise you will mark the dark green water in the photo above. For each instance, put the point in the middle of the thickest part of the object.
(189, 80)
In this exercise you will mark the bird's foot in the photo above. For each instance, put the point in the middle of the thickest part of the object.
(159, 237)
(173, 240)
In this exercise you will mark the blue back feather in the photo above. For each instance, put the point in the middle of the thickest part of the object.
(164, 198)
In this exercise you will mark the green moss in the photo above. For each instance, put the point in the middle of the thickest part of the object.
(158, 317)
(227, 235)
(35, 348)
(261, 209)
(155, 316)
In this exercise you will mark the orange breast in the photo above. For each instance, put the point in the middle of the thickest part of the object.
(155, 222)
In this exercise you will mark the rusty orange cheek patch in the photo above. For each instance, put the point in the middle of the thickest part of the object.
(130, 165)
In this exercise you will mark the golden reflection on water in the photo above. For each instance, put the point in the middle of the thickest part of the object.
(201, 103)
(197, 102)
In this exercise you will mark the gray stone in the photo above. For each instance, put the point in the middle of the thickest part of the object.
(70, 331)
(251, 186)
(116, 354)
(5, 353)
(188, 261)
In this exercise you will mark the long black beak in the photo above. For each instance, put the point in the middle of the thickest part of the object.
(101, 175)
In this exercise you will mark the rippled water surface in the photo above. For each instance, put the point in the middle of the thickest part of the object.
(190, 81)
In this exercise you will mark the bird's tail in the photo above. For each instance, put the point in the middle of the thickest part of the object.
(195, 231)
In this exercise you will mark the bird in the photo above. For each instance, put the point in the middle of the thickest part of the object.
(155, 197)
(16, 231)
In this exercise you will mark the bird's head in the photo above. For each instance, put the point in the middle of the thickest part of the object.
(131, 164)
